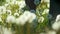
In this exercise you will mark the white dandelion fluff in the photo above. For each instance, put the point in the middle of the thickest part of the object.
(32, 17)
(46, 11)
(21, 4)
(51, 32)
(27, 16)
(16, 14)
(41, 19)
(2, 9)
(48, 5)
(9, 12)
(56, 26)
(7, 31)
(22, 19)
(58, 18)
(10, 18)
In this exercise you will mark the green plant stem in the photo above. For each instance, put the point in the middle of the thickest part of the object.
(28, 28)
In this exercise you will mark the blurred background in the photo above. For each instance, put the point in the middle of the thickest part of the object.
(29, 17)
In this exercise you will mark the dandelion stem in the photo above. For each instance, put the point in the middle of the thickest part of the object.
(28, 28)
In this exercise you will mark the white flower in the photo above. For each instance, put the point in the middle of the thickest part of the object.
(22, 4)
(56, 26)
(46, 11)
(6, 31)
(21, 20)
(0, 19)
(45, 1)
(41, 19)
(32, 18)
(48, 5)
(2, 9)
(11, 19)
(9, 12)
(6, 5)
(51, 32)
(27, 16)
(58, 18)
(16, 14)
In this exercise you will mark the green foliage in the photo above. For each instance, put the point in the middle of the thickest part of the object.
(2, 2)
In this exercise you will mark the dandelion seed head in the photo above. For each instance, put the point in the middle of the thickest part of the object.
(22, 4)
(41, 19)
(58, 18)
(46, 11)
(16, 14)
(56, 26)
(10, 18)
(51, 32)
(6, 31)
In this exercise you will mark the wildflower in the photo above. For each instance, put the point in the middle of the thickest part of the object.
(2, 9)
(6, 31)
(27, 16)
(48, 5)
(51, 32)
(9, 12)
(58, 18)
(21, 20)
(46, 11)
(22, 4)
(10, 18)
(41, 19)
(56, 26)
(16, 14)
(32, 18)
